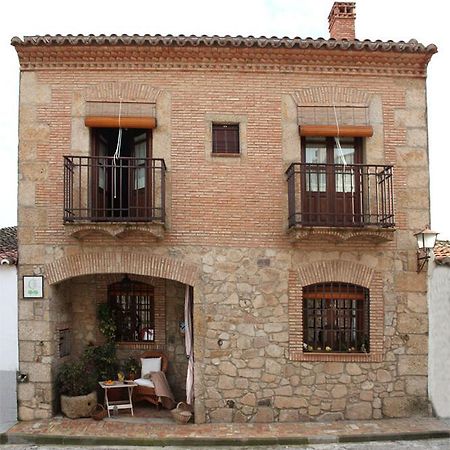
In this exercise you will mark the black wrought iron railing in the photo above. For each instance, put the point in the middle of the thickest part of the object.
(337, 195)
(100, 188)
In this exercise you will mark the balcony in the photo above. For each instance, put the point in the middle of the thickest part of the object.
(341, 201)
(101, 190)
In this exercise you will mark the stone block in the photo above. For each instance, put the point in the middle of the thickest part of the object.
(290, 402)
(411, 117)
(288, 415)
(25, 391)
(249, 399)
(256, 363)
(415, 97)
(396, 407)
(331, 417)
(416, 386)
(250, 373)
(33, 92)
(284, 390)
(264, 414)
(417, 344)
(226, 382)
(417, 302)
(221, 415)
(38, 372)
(227, 368)
(260, 341)
(239, 417)
(359, 411)
(383, 376)
(411, 282)
(272, 367)
(339, 391)
(413, 323)
(412, 365)
(366, 396)
(246, 329)
(25, 413)
(274, 351)
(333, 368)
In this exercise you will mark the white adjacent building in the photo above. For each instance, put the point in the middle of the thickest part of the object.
(8, 325)
(439, 334)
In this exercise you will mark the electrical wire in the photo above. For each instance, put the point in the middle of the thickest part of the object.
(118, 147)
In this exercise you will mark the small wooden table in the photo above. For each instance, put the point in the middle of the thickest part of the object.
(120, 404)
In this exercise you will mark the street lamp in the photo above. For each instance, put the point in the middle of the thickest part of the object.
(426, 239)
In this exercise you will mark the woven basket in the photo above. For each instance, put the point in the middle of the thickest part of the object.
(99, 412)
(182, 413)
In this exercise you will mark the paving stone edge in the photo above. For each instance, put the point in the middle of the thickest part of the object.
(28, 438)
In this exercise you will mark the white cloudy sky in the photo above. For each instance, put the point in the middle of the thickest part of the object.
(426, 21)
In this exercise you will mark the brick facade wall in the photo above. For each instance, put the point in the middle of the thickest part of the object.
(226, 233)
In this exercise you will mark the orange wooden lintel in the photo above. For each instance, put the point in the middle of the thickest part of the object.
(125, 122)
(332, 130)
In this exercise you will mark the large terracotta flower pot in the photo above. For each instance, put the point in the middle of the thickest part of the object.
(80, 406)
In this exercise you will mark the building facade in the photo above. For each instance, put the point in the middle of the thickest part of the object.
(9, 363)
(281, 179)
(439, 315)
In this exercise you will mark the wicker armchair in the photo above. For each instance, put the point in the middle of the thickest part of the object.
(141, 393)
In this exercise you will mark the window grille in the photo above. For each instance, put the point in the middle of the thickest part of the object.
(133, 308)
(335, 318)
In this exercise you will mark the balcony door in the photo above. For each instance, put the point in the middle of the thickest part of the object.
(331, 181)
(121, 186)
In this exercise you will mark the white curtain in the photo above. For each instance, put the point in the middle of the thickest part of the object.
(188, 338)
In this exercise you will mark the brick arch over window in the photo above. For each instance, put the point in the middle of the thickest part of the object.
(331, 95)
(125, 90)
(337, 271)
(133, 263)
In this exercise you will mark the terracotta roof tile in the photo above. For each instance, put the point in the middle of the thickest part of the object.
(442, 252)
(411, 46)
(8, 244)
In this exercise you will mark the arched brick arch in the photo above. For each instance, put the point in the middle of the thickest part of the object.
(126, 90)
(331, 95)
(343, 271)
(338, 271)
(133, 263)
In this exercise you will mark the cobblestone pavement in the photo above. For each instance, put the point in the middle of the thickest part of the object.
(426, 444)
(111, 433)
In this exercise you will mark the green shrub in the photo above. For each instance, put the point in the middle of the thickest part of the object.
(102, 361)
(75, 379)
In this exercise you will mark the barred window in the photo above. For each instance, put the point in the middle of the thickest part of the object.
(133, 308)
(225, 138)
(335, 318)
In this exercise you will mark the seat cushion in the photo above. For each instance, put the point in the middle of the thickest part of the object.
(145, 382)
(150, 365)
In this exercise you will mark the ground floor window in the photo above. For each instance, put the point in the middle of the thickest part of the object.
(133, 309)
(335, 318)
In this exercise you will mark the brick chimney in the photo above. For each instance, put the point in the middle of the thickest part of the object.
(341, 20)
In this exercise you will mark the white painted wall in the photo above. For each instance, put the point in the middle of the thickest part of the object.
(9, 361)
(439, 338)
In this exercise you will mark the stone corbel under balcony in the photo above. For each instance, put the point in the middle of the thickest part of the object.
(83, 230)
(375, 235)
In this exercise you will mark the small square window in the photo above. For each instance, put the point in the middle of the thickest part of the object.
(225, 138)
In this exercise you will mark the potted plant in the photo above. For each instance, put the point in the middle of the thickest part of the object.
(77, 388)
(131, 368)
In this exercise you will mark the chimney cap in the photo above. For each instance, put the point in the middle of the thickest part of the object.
(344, 10)
(341, 20)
